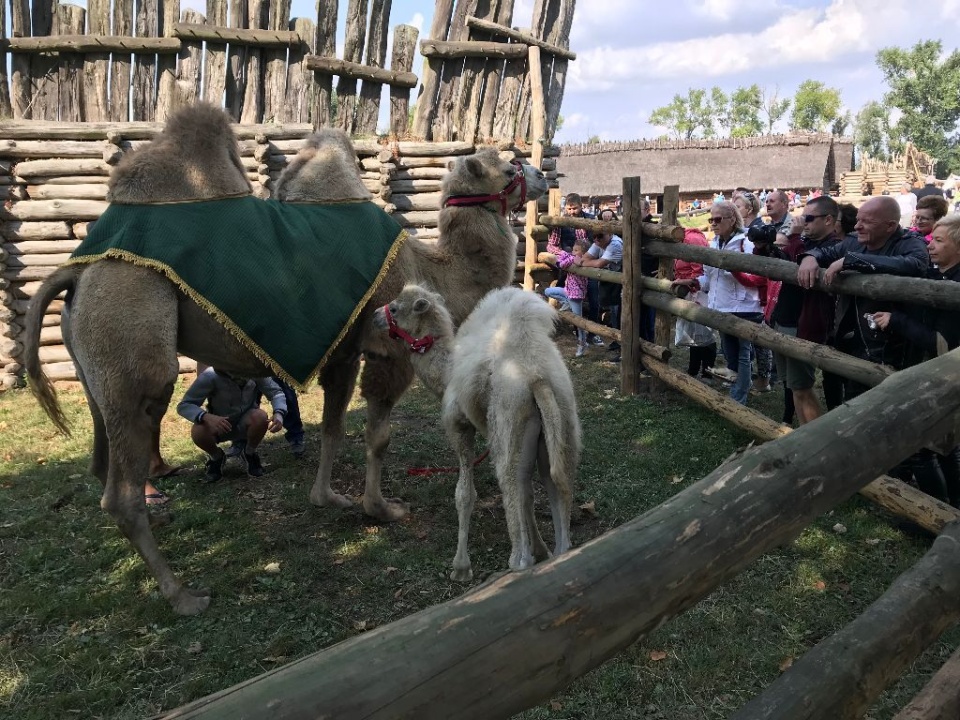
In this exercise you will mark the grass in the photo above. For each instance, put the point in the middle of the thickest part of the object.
(83, 630)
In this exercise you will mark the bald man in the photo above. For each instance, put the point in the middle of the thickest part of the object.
(881, 246)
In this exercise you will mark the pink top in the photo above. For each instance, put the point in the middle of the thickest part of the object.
(575, 286)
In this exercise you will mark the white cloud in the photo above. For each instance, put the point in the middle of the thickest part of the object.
(417, 22)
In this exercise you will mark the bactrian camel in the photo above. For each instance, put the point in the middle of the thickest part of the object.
(125, 324)
(502, 376)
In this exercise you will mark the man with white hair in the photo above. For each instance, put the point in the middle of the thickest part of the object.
(881, 246)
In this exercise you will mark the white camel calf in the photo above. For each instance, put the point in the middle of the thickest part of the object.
(501, 375)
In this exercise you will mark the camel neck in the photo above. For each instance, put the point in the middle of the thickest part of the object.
(432, 367)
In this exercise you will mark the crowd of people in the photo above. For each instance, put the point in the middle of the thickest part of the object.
(825, 239)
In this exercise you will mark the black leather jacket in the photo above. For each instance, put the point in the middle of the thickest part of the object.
(904, 254)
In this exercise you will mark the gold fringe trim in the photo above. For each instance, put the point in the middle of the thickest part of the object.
(209, 307)
(188, 202)
(374, 286)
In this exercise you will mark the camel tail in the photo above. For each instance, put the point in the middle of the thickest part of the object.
(63, 279)
(561, 431)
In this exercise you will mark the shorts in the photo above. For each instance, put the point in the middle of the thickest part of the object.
(239, 425)
(798, 375)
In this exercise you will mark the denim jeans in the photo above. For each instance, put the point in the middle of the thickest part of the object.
(576, 307)
(738, 353)
(291, 421)
(593, 300)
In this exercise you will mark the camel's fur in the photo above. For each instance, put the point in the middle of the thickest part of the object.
(502, 375)
(124, 324)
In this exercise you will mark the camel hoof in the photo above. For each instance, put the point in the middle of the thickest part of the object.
(462, 574)
(330, 499)
(388, 510)
(191, 602)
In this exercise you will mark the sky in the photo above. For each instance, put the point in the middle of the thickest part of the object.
(635, 55)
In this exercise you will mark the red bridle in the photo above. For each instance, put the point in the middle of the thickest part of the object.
(519, 179)
(417, 345)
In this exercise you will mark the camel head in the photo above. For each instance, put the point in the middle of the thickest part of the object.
(195, 157)
(487, 177)
(325, 170)
(414, 316)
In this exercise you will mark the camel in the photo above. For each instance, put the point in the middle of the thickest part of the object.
(124, 324)
(501, 375)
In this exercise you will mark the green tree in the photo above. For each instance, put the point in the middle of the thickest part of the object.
(686, 116)
(773, 107)
(871, 131)
(593, 139)
(815, 106)
(923, 87)
(744, 112)
(841, 123)
(720, 110)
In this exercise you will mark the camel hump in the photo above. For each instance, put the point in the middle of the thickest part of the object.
(325, 170)
(525, 312)
(195, 157)
(64, 278)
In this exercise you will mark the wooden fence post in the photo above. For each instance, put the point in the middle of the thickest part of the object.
(668, 216)
(539, 119)
(630, 308)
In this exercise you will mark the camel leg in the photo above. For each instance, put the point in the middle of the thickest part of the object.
(462, 434)
(514, 476)
(561, 499)
(338, 382)
(383, 382)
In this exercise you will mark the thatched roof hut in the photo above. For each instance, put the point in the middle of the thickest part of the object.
(704, 167)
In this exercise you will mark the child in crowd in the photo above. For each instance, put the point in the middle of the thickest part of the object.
(574, 290)
(231, 414)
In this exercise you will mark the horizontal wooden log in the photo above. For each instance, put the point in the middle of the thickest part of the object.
(415, 186)
(356, 71)
(41, 180)
(53, 353)
(34, 247)
(520, 36)
(672, 233)
(65, 370)
(10, 348)
(421, 173)
(20, 306)
(660, 285)
(551, 151)
(415, 148)
(614, 589)
(824, 357)
(940, 698)
(27, 273)
(33, 210)
(418, 218)
(877, 287)
(53, 130)
(86, 191)
(63, 166)
(16, 230)
(613, 335)
(92, 44)
(448, 49)
(21, 260)
(370, 164)
(418, 201)
(13, 193)
(842, 676)
(51, 148)
(237, 36)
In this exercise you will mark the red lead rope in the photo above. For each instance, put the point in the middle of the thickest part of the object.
(444, 470)
(417, 345)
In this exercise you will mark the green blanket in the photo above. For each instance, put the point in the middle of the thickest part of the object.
(288, 280)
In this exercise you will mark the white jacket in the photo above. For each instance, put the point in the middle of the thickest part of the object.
(724, 293)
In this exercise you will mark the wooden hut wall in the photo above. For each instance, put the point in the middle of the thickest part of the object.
(247, 55)
(704, 166)
(53, 178)
(477, 98)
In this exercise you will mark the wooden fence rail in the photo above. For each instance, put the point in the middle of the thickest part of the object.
(531, 633)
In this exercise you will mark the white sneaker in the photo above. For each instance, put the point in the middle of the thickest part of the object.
(564, 307)
(597, 340)
(581, 349)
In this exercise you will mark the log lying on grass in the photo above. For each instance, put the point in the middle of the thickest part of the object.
(842, 676)
(529, 634)
(940, 698)
(889, 493)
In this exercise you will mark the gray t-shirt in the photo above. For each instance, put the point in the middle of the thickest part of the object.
(613, 253)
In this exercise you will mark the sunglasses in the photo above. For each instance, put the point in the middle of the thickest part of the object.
(811, 218)
(714, 221)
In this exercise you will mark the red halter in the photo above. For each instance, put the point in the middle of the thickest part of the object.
(417, 345)
(519, 179)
